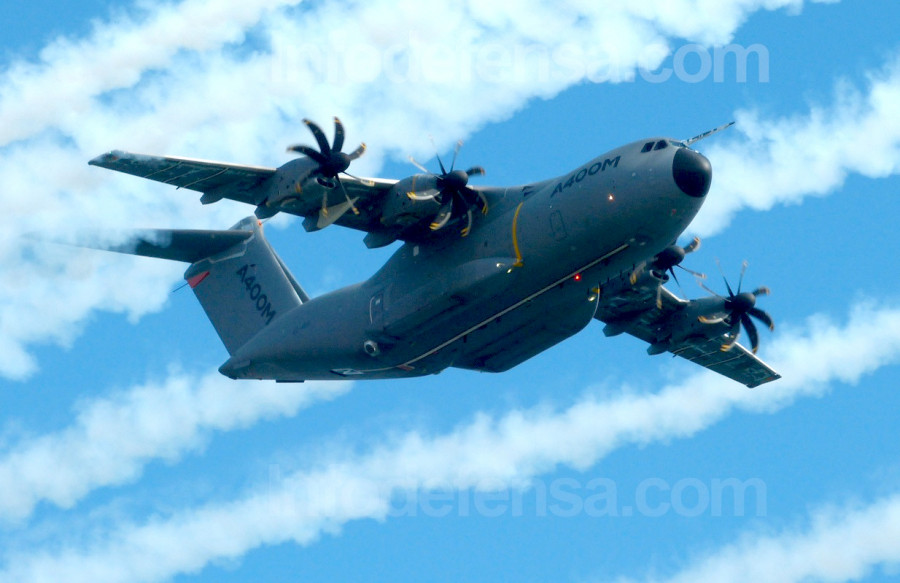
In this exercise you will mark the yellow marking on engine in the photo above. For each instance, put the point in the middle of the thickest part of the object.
(515, 236)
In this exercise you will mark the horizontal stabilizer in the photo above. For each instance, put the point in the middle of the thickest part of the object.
(189, 246)
(238, 278)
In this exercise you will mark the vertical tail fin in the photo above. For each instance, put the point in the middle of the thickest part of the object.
(244, 288)
(240, 281)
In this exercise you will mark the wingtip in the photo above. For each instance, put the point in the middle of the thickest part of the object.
(106, 158)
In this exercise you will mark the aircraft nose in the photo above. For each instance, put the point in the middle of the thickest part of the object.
(692, 172)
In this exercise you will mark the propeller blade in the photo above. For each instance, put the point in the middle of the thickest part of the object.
(727, 286)
(347, 196)
(363, 181)
(752, 334)
(307, 151)
(741, 279)
(706, 320)
(483, 199)
(638, 271)
(704, 286)
(678, 283)
(438, 156)
(328, 215)
(692, 272)
(465, 232)
(357, 152)
(763, 317)
(440, 162)
(762, 291)
(427, 184)
(419, 166)
(317, 133)
(733, 335)
(320, 137)
(692, 246)
(338, 135)
(443, 217)
(475, 171)
(416, 196)
(455, 154)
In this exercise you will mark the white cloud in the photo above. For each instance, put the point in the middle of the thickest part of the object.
(71, 73)
(486, 454)
(183, 80)
(782, 161)
(845, 544)
(113, 438)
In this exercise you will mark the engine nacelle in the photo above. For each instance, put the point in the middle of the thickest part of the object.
(645, 284)
(402, 210)
(295, 180)
(704, 318)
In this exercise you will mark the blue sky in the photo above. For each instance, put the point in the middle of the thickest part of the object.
(124, 456)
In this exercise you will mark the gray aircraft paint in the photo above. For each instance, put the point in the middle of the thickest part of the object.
(531, 272)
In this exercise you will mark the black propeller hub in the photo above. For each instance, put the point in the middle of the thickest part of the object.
(741, 303)
(454, 180)
(742, 310)
(670, 257)
(336, 163)
(453, 193)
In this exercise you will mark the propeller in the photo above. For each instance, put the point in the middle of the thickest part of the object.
(666, 261)
(332, 162)
(741, 308)
(452, 191)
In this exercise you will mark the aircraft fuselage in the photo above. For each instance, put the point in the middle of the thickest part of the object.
(527, 276)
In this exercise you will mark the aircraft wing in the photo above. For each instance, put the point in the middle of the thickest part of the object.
(738, 364)
(216, 180)
(636, 312)
(252, 185)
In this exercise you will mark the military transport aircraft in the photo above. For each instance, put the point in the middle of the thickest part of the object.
(486, 278)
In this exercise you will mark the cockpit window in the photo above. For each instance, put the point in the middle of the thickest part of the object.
(661, 144)
(647, 147)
